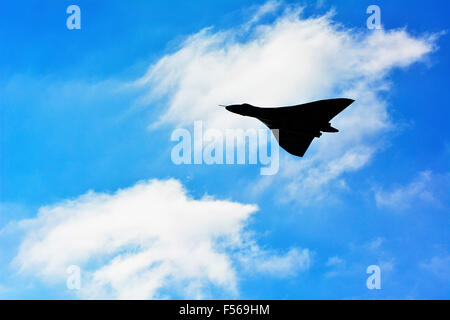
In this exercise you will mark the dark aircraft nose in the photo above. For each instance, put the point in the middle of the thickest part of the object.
(235, 108)
(244, 109)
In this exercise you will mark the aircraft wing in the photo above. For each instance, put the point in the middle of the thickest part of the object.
(309, 116)
(322, 110)
(294, 143)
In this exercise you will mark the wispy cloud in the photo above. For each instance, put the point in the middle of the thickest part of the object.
(374, 245)
(336, 266)
(353, 262)
(420, 190)
(3, 290)
(289, 264)
(439, 266)
(335, 261)
(144, 240)
(270, 7)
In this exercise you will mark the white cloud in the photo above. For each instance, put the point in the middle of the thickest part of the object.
(403, 197)
(359, 257)
(439, 266)
(387, 266)
(334, 261)
(306, 180)
(295, 261)
(269, 7)
(337, 267)
(3, 289)
(374, 245)
(289, 61)
(145, 241)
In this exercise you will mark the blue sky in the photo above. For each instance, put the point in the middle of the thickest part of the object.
(77, 108)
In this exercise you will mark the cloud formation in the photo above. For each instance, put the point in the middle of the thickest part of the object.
(290, 60)
(421, 190)
(147, 241)
(439, 266)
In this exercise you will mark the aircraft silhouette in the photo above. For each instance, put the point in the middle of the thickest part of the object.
(298, 125)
